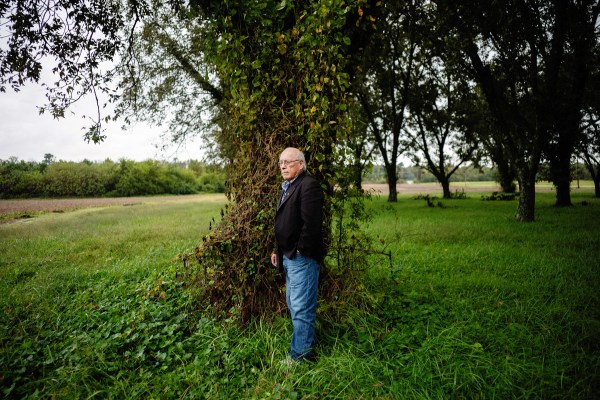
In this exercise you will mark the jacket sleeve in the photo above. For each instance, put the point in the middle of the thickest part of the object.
(310, 242)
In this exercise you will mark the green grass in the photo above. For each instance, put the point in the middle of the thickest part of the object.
(473, 306)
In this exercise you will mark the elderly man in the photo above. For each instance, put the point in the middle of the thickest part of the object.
(299, 251)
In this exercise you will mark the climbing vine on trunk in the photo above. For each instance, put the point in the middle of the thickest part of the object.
(285, 67)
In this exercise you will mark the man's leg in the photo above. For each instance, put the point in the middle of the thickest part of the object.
(302, 278)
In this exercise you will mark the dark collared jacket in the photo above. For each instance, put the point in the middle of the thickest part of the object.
(299, 220)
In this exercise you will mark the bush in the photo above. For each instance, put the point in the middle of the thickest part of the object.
(20, 178)
(89, 179)
(63, 179)
(500, 196)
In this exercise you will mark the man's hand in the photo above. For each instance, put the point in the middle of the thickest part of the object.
(274, 259)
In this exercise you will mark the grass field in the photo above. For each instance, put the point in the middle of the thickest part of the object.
(473, 306)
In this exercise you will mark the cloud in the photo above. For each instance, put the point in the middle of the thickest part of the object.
(28, 136)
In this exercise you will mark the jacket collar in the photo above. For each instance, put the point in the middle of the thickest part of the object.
(292, 187)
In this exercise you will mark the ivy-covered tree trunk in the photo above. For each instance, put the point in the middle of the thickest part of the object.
(284, 65)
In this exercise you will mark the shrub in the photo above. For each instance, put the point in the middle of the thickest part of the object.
(64, 179)
(500, 196)
(90, 179)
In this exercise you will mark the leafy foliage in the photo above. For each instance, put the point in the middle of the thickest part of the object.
(87, 179)
(286, 77)
(76, 37)
(531, 61)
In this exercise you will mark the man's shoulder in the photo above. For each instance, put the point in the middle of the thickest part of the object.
(306, 179)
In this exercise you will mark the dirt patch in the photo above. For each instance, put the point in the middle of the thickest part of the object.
(430, 188)
(16, 209)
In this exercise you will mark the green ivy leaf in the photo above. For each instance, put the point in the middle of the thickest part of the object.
(282, 5)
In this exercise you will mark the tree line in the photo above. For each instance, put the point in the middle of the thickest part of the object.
(51, 178)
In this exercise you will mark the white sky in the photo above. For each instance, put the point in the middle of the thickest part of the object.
(28, 136)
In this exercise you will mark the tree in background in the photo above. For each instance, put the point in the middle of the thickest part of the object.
(441, 133)
(589, 145)
(386, 79)
(590, 151)
(530, 60)
(360, 146)
(491, 142)
(570, 60)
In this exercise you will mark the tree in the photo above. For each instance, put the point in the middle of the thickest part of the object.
(286, 75)
(487, 133)
(515, 51)
(384, 85)
(76, 37)
(590, 151)
(575, 34)
(439, 115)
(589, 145)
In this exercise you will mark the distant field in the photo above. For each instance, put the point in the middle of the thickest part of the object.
(468, 187)
(14, 209)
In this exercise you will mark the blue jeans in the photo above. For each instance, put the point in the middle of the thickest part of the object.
(301, 281)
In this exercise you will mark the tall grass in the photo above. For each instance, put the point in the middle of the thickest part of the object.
(473, 305)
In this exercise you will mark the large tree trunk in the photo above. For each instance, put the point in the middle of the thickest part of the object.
(560, 169)
(563, 188)
(506, 176)
(526, 207)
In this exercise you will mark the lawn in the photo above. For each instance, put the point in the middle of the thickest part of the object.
(472, 305)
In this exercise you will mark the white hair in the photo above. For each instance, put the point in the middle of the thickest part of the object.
(300, 157)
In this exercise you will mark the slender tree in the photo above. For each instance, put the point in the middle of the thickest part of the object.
(383, 87)
(442, 135)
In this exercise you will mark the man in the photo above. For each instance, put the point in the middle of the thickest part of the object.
(299, 236)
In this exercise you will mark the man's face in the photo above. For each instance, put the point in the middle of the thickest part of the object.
(288, 164)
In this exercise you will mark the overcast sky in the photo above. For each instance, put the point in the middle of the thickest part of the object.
(28, 136)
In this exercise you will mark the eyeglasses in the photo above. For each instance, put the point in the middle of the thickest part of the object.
(287, 162)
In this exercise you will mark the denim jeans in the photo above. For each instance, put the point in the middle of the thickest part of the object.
(301, 280)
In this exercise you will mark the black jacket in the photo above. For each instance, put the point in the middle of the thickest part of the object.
(299, 220)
